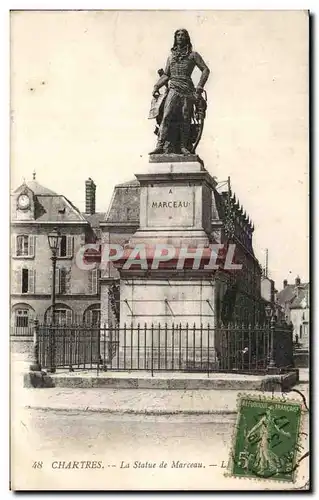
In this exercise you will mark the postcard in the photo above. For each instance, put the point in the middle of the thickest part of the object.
(160, 294)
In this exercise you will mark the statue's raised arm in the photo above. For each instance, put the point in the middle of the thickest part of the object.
(180, 111)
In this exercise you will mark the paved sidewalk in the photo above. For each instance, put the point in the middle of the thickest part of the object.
(139, 402)
(304, 375)
(154, 402)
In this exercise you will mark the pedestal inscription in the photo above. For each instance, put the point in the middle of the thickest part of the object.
(170, 206)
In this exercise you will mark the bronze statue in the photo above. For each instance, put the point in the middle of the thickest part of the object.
(180, 110)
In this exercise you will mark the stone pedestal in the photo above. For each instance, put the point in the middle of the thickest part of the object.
(175, 204)
(175, 209)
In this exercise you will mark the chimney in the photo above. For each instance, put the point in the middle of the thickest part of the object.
(285, 283)
(297, 281)
(90, 188)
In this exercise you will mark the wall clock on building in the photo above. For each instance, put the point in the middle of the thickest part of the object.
(23, 201)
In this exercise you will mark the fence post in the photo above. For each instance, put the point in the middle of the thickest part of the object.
(71, 369)
(272, 365)
(35, 366)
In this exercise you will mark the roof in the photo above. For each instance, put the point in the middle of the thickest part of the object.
(293, 295)
(56, 209)
(125, 203)
(48, 205)
(133, 183)
(37, 189)
(95, 219)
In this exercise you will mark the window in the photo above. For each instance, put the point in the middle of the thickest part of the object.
(92, 315)
(63, 315)
(25, 280)
(95, 317)
(66, 247)
(93, 282)
(60, 317)
(24, 246)
(63, 247)
(62, 281)
(22, 318)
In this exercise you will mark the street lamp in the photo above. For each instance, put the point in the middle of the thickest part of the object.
(270, 315)
(54, 239)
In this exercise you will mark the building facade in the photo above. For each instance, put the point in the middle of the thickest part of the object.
(35, 211)
(294, 301)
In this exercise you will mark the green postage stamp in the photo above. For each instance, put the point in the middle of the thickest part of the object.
(266, 438)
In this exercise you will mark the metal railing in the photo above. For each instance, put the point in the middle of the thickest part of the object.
(175, 347)
(22, 331)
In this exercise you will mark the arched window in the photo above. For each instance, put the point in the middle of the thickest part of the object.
(63, 315)
(22, 320)
(92, 315)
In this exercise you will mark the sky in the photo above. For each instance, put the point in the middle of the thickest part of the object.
(81, 84)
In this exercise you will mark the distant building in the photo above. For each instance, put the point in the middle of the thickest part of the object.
(35, 211)
(267, 289)
(294, 301)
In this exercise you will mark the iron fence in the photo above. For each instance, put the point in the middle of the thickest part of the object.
(175, 347)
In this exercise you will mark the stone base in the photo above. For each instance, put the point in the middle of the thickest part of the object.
(170, 381)
(37, 379)
(139, 359)
(178, 238)
(301, 358)
(174, 158)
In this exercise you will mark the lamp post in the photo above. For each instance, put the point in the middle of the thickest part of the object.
(54, 239)
(270, 315)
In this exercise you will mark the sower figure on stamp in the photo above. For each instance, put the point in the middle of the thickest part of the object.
(182, 99)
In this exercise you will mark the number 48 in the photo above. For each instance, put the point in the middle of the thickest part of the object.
(37, 465)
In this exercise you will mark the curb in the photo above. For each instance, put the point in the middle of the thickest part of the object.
(155, 412)
(277, 383)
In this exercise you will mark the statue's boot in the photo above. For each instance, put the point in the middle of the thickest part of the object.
(157, 151)
(185, 151)
(185, 130)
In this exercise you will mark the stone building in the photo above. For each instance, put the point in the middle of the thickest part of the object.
(294, 301)
(35, 211)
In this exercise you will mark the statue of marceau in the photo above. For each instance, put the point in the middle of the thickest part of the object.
(180, 110)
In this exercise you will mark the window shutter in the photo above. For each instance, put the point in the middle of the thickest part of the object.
(31, 281)
(69, 246)
(14, 245)
(68, 317)
(88, 317)
(57, 281)
(90, 282)
(31, 245)
(68, 280)
(93, 282)
(17, 281)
